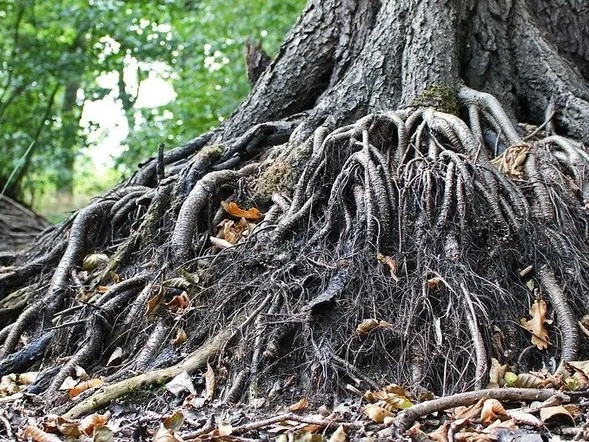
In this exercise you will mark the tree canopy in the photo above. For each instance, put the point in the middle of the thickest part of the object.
(53, 55)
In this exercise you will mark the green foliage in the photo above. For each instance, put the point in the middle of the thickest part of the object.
(52, 53)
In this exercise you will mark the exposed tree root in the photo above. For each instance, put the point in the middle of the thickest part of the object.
(415, 218)
(195, 360)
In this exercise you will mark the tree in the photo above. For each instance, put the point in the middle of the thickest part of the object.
(408, 224)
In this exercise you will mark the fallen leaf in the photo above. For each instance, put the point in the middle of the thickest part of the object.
(180, 338)
(182, 383)
(154, 302)
(88, 424)
(174, 422)
(549, 413)
(179, 302)
(528, 380)
(391, 263)
(225, 428)
(496, 372)
(165, 435)
(234, 210)
(492, 409)
(83, 386)
(27, 378)
(536, 324)
(376, 413)
(94, 260)
(367, 325)
(339, 435)
(103, 434)
(209, 383)
(68, 383)
(115, 357)
(38, 435)
(300, 405)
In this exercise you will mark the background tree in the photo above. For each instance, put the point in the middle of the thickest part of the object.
(55, 53)
(408, 223)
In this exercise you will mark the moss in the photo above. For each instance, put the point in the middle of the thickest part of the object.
(441, 98)
(281, 175)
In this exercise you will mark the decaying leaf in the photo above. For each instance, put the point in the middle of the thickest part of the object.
(177, 283)
(165, 435)
(521, 417)
(582, 366)
(68, 383)
(38, 435)
(375, 413)
(535, 325)
(339, 435)
(154, 302)
(89, 423)
(433, 283)
(174, 422)
(233, 231)
(225, 428)
(549, 413)
(93, 261)
(182, 383)
(391, 263)
(116, 357)
(27, 378)
(234, 210)
(180, 338)
(179, 302)
(367, 325)
(300, 405)
(470, 412)
(103, 434)
(512, 160)
(528, 380)
(83, 386)
(496, 373)
(492, 409)
(209, 383)
(392, 398)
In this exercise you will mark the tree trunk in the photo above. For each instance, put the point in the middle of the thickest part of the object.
(400, 222)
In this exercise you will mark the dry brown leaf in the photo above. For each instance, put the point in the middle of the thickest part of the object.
(179, 302)
(339, 435)
(116, 357)
(535, 325)
(88, 424)
(27, 378)
(528, 380)
(300, 405)
(492, 409)
(367, 325)
(174, 422)
(225, 428)
(582, 366)
(522, 417)
(220, 243)
(103, 434)
(83, 386)
(180, 338)
(496, 372)
(38, 435)
(376, 413)
(154, 302)
(391, 263)
(234, 210)
(512, 160)
(165, 435)
(209, 383)
(469, 412)
(548, 413)
(433, 283)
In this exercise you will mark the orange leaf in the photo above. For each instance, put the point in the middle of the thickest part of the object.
(83, 386)
(492, 409)
(234, 210)
(154, 302)
(89, 423)
(536, 324)
(39, 435)
(300, 405)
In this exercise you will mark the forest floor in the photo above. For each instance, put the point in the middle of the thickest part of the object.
(182, 410)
